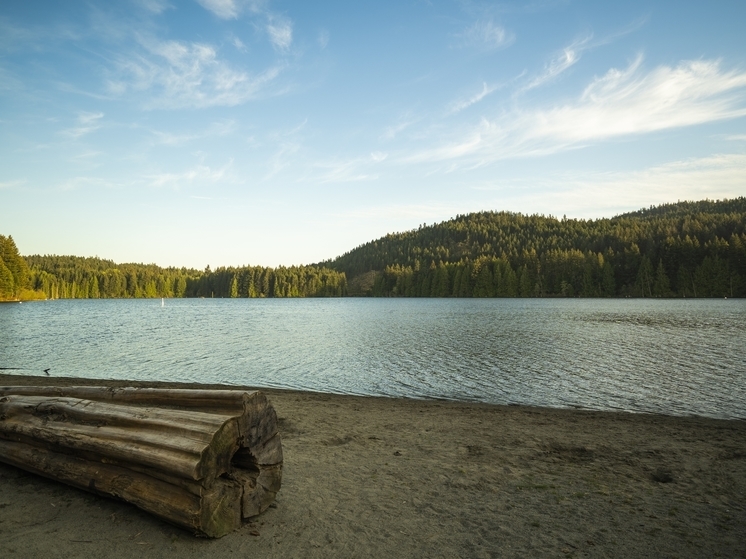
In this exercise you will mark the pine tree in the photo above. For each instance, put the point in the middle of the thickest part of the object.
(511, 282)
(7, 285)
(15, 263)
(662, 286)
(526, 289)
(93, 290)
(644, 281)
(234, 287)
(483, 285)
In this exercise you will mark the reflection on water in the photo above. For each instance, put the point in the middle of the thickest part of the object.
(674, 357)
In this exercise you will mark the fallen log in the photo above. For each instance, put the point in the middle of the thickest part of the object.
(206, 460)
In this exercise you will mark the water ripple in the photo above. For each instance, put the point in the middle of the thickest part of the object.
(673, 357)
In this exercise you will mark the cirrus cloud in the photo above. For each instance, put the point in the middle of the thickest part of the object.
(280, 34)
(622, 102)
(224, 9)
(485, 34)
(180, 74)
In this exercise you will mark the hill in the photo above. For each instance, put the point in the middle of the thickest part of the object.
(686, 249)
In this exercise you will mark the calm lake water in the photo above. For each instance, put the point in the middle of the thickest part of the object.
(676, 357)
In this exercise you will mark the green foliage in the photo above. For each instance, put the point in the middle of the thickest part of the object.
(14, 272)
(73, 277)
(257, 281)
(7, 285)
(688, 249)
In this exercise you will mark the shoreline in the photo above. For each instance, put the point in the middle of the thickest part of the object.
(370, 476)
(7, 379)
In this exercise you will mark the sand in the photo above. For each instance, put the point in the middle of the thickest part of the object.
(376, 477)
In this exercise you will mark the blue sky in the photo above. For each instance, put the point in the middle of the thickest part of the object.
(232, 132)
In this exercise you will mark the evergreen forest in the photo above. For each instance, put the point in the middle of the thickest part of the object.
(74, 277)
(686, 249)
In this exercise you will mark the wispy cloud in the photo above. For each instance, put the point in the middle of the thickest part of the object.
(87, 123)
(350, 170)
(283, 157)
(186, 74)
(75, 183)
(238, 43)
(629, 102)
(12, 184)
(393, 130)
(199, 174)
(621, 102)
(287, 144)
(342, 172)
(570, 55)
(461, 104)
(323, 38)
(564, 60)
(607, 194)
(720, 175)
(224, 9)
(278, 27)
(216, 129)
(154, 6)
(485, 34)
(280, 33)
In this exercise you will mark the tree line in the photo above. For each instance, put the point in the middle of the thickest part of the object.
(687, 249)
(74, 277)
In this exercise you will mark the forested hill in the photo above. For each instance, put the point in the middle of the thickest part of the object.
(687, 249)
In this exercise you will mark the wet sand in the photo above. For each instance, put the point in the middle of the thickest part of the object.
(376, 477)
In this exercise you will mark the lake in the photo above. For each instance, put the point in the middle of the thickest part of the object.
(677, 357)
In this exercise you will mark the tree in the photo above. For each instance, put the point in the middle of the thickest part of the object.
(661, 286)
(15, 263)
(234, 287)
(510, 282)
(7, 285)
(93, 290)
(483, 284)
(441, 286)
(608, 285)
(525, 285)
(644, 281)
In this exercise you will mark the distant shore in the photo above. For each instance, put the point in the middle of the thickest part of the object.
(372, 477)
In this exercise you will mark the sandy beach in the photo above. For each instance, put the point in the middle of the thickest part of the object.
(375, 477)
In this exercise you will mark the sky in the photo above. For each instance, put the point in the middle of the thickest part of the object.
(250, 132)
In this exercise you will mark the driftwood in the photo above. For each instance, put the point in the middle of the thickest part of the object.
(205, 460)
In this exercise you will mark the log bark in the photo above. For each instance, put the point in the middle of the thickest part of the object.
(205, 460)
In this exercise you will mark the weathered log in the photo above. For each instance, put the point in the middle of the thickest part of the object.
(202, 459)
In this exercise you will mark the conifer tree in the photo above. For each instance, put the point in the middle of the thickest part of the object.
(662, 285)
(234, 287)
(7, 285)
(15, 263)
